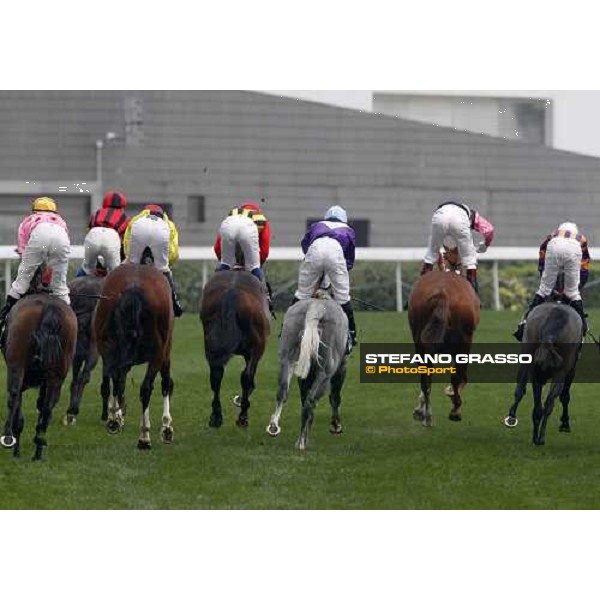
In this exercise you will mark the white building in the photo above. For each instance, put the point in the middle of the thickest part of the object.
(565, 120)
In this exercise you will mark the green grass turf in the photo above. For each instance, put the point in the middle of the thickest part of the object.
(384, 459)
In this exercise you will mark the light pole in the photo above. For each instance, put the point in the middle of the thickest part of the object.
(109, 136)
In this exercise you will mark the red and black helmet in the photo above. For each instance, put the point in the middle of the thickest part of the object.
(114, 200)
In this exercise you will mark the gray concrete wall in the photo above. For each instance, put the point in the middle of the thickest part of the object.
(299, 156)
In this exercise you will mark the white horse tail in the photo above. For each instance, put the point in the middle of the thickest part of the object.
(311, 338)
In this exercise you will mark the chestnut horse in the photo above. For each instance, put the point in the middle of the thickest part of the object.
(84, 293)
(133, 325)
(40, 343)
(443, 313)
(235, 317)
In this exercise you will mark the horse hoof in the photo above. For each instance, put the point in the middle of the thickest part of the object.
(565, 428)
(215, 421)
(300, 445)
(454, 417)
(449, 391)
(166, 435)
(511, 421)
(336, 428)
(8, 441)
(427, 422)
(418, 415)
(144, 445)
(273, 429)
(242, 422)
(113, 427)
(539, 442)
(237, 400)
(69, 420)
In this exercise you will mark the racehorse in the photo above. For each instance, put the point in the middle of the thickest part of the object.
(40, 343)
(235, 317)
(84, 292)
(553, 337)
(133, 325)
(313, 346)
(443, 313)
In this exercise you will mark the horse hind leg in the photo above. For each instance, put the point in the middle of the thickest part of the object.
(166, 429)
(335, 399)
(49, 395)
(422, 411)
(146, 388)
(555, 391)
(216, 377)
(247, 383)
(520, 389)
(310, 392)
(565, 398)
(80, 378)
(115, 420)
(15, 381)
(285, 378)
(105, 394)
(459, 380)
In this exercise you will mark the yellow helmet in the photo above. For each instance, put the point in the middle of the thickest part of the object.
(44, 203)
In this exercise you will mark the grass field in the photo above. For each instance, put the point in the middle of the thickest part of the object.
(383, 460)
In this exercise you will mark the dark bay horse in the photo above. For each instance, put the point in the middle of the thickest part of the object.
(40, 343)
(133, 325)
(443, 313)
(84, 292)
(553, 337)
(235, 318)
(313, 347)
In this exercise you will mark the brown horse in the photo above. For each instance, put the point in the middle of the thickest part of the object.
(84, 293)
(443, 313)
(133, 325)
(40, 343)
(235, 317)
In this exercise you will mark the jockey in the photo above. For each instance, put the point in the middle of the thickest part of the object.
(247, 227)
(563, 252)
(455, 221)
(43, 239)
(329, 247)
(106, 230)
(153, 229)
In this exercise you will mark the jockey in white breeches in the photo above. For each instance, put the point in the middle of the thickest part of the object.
(563, 252)
(451, 225)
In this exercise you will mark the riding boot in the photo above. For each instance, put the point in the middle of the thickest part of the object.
(80, 272)
(10, 302)
(537, 300)
(176, 305)
(347, 308)
(258, 273)
(472, 279)
(578, 306)
(426, 268)
(222, 267)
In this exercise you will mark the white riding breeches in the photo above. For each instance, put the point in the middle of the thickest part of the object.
(48, 245)
(240, 230)
(324, 259)
(453, 222)
(154, 233)
(563, 255)
(105, 242)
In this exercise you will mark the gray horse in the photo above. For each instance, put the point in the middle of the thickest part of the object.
(313, 347)
(553, 336)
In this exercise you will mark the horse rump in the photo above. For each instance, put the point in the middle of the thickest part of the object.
(311, 339)
(434, 331)
(224, 334)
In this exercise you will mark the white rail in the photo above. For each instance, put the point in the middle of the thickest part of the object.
(206, 257)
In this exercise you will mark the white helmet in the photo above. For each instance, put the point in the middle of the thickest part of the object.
(568, 226)
(336, 213)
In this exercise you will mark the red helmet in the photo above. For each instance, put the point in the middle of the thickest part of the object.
(250, 206)
(114, 200)
(155, 209)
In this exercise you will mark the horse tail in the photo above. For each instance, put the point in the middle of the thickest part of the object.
(225, 339)
(128, 325)
(47, 336)
(311, 339)
(435, 329)
(546, 355)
